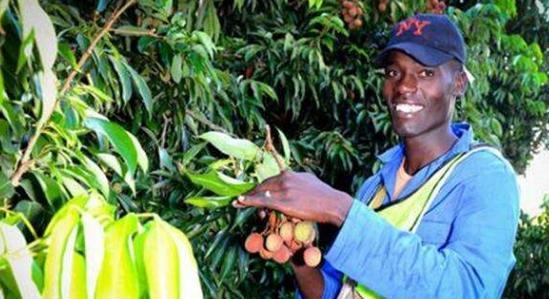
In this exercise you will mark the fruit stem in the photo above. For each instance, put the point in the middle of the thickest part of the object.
(270, 148)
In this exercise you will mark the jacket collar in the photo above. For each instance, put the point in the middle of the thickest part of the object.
(392, 158)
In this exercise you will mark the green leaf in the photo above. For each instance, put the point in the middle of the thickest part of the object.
(78, 288)
(142, 159)
(129, 30)
(3, 6)
(209, 202)
(48, 95)
(101, 5)
(119, 138)
(229, 262)
(60, 255)
(72, 186)
(141, 86)
(118, 277)
(219, 183)
(66, 52)
(206, 41)
(51, 189)
(176, 68)
(111, 161)
(285, 146)
(161, 262)
(165, 159)
(98, 177)
(34, 18)
(124, 77)
(189, 281)
(267, 168)
(238, 148)
(6, 188)
(94, 251)
(13, 248)
(30, 210)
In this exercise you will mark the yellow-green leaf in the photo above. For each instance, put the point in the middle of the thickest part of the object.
(118, 277)
(13, 248)
(189, 281)
(219, 183)
(94, 239)
(34, 18)
(161, 262)
(60, 256)
(78, 277)
(238, 148)
(209, 202)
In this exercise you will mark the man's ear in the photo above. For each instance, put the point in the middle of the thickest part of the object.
(460, 84)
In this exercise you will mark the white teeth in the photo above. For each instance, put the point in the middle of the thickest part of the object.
(407, 108)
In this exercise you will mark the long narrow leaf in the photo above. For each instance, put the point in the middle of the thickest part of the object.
(161, 262)
(118, 277)
(60, 256)
(238, 148)
(13, 247)
(94, 251)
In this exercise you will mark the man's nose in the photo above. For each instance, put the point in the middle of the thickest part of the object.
(407, 84)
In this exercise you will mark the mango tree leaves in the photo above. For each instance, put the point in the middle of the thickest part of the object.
(35, 19)
(48, 94)
(6, 188)
(118, 277)
(267, 168)
(18, 258)
(209, 202)
(60, 255)
(142, 87)
(238, 148)
(124, 143)
(219, 183)
(189, 281)
(94, 249)
(51, 189)
(124, 77)
(285, 146)
(160, 256)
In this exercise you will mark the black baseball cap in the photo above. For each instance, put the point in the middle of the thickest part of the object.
(431, 39)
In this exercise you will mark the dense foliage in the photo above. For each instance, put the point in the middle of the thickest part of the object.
(113, 97)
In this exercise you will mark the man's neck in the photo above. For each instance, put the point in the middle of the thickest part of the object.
(422, 150)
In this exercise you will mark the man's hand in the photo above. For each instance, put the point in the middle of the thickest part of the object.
(301, 195)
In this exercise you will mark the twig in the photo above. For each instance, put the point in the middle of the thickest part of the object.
(270, 148)
(135, 33)
(205, 121)
(25, 162)
(164, 130)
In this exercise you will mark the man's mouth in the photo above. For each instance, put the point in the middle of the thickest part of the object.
(408, 108)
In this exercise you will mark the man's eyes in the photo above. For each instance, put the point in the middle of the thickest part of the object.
(390, 73)
(427, 73)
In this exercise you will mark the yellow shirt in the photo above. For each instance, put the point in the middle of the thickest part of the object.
(402, 178)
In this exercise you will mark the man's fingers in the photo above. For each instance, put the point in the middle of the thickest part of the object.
(260, 199)
(271, 184)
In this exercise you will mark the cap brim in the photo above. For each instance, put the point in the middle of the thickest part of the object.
(424, 55)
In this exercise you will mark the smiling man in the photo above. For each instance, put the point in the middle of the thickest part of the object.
(439, 219)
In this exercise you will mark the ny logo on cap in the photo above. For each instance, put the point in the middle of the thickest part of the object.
(409, 24)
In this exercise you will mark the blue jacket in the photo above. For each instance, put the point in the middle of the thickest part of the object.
(463, 247)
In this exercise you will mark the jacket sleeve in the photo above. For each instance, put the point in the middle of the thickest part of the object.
(474, 263)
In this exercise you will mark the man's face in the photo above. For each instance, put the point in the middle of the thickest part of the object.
(420, 98)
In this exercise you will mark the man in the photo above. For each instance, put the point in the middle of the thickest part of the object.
(439, 219)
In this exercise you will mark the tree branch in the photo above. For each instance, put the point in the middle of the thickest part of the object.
(25, 162)
(205, 121)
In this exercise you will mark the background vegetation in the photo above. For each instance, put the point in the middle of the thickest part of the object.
(111, 100)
